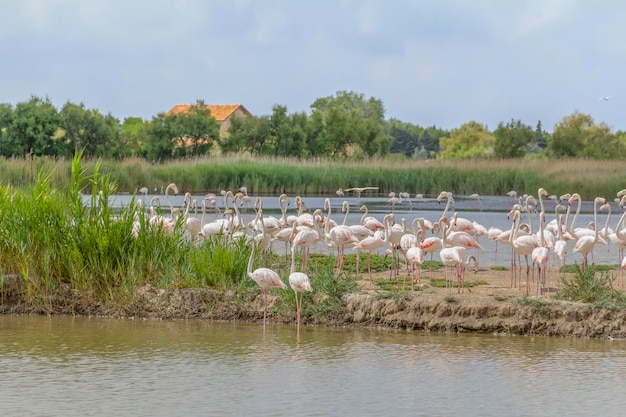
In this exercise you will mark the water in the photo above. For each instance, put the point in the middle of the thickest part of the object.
(489, 211)
(70, 366)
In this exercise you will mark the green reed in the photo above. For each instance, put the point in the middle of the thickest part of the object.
(590, 178)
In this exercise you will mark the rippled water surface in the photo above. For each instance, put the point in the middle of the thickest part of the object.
(63, 366)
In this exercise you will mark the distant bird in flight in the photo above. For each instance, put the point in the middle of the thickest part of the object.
(359, 190)
(605, 98)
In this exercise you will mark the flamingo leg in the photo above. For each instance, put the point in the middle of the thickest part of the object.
(298, 311)
(369, 269)
(264, 308)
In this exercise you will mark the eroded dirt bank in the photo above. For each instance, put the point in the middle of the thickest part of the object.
(492, 308)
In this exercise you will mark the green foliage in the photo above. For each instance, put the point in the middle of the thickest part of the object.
(30, 129)
(512, 139)
(441, 283)
(220, 263)
(471, 140)
(87, 130)
(348, 120)
(578, 136)
(133, 138)
(589, 285)
(347, 126)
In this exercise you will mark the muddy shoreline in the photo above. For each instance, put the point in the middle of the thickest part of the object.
(492, 308)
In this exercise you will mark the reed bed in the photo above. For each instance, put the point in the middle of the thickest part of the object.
(59, 247)
(262, 175)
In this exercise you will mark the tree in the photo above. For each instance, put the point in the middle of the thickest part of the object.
(6, 116)
(31, 129)
(405, 137)
(87, 129)
(348, 120)
(429, 140)
(300, 128)
(133, 137)
(540, 140)
(160, 146)
(280, 131)
(568, 136)
(512, 139)
(193, 132)
(601, 143)
(471, 140)
(182, 135)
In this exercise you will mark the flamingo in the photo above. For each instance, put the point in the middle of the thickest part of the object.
(373, 243)
(340, 236)
(585, 244)
(409, 240)
(415, 256)
(370, 222)
(560, 245)
(522, 245)
(431, 245)
(217, 227)
(307, 237)
(359, 190)
(476, 197)
(449, 200)
(396, 232)
(193, 223)
(299, 283)
(262, 239)
(492, 234)
(173, 188)
(266, 278)
(578, 232)
(540, 256)
(271, 224)
(453, 256)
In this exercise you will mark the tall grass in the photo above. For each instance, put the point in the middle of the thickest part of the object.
(590, 178)
(591, 286)
(54, 243)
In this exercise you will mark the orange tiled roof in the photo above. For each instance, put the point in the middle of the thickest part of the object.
(219, 112)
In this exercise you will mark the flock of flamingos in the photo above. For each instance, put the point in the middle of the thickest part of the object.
(451, 237)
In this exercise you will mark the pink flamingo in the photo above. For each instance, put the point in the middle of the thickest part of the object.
(373, 243)
(299, 283)
(339, 236)
(540, 257)
(522, 245)
(266, 278)
(585, 244)
(415, 257)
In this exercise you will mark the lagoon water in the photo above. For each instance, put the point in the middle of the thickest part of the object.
(71, 366)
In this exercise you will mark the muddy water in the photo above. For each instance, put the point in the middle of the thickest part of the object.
(63, 366)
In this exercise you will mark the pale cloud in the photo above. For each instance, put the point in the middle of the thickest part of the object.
(539, 16)
(430, 62)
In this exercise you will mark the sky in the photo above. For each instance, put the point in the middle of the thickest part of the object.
(435, 62)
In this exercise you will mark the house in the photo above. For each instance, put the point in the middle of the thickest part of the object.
(223, 113)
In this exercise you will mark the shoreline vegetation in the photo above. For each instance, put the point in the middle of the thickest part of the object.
(60, 257)
(273, 176)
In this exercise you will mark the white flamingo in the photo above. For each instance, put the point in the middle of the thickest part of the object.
(266, 278)
(299, 283)
(373, 243)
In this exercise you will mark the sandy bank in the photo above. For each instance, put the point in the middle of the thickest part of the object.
(490, 308)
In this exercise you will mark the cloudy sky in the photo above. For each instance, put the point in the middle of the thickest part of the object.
(431, 62)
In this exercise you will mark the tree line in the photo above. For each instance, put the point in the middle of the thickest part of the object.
(345, 125)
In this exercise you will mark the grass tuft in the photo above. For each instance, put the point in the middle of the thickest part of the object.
(592, 285)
